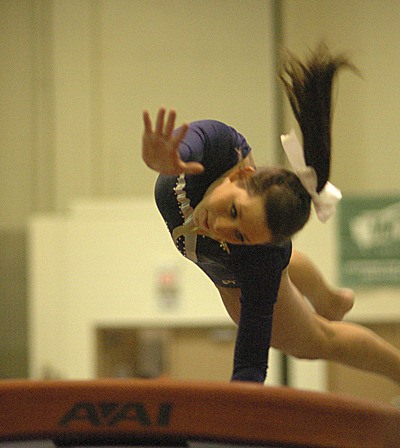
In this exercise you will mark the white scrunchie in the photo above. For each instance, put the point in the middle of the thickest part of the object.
(324, 202)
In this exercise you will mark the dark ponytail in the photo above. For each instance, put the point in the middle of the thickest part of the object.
(309, 89)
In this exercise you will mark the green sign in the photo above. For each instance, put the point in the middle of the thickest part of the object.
(370, 241)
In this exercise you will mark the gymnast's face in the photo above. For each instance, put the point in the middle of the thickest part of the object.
(227, 212)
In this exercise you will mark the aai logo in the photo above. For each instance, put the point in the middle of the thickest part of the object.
(112, 414)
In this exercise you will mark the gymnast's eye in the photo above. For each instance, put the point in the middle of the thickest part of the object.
(234, 215)
(234, 211)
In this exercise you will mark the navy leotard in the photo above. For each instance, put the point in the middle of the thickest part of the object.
(256, 270)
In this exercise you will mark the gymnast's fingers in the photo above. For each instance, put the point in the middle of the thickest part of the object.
(181, 133)
(147, 122)
(169, 127)
(160, 121)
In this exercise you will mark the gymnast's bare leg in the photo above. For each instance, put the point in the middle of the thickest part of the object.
(328, 301)
(300, 332)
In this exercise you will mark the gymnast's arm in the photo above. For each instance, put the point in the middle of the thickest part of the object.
(259, 271)
(190, 149)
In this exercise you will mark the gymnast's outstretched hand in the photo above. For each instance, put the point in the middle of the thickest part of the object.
(160, 147)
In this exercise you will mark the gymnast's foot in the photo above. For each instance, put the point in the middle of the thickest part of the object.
(337, 303)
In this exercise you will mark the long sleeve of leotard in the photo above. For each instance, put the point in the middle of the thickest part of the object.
(259, 270)
(213, 144)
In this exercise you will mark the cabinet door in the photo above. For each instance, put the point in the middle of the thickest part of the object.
(343, 379)
(201, 353)
(180, 353)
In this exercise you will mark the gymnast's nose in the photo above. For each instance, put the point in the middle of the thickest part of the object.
(224, 229)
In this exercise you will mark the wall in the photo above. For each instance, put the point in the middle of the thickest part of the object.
(114, 58)
(17, 180)
(365, 144)
(76, 75)
(98, 267)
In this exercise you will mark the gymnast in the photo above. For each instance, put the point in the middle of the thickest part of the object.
(235, 221)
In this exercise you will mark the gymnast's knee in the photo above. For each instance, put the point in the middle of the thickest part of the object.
(321, 346)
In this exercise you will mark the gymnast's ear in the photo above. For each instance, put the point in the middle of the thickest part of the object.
(241, 172)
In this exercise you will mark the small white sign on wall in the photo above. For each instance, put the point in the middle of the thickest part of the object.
(168, 289)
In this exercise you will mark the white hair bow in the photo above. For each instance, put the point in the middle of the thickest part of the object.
(324, 202)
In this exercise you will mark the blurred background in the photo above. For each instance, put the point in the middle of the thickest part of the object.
(89, 286)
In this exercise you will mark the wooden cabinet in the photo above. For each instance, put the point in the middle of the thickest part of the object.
(196, 353)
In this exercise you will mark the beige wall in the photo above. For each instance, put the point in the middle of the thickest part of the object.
(16, 180)
(365, 144)
(365, 132)
(114, 58)
(76, 75)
